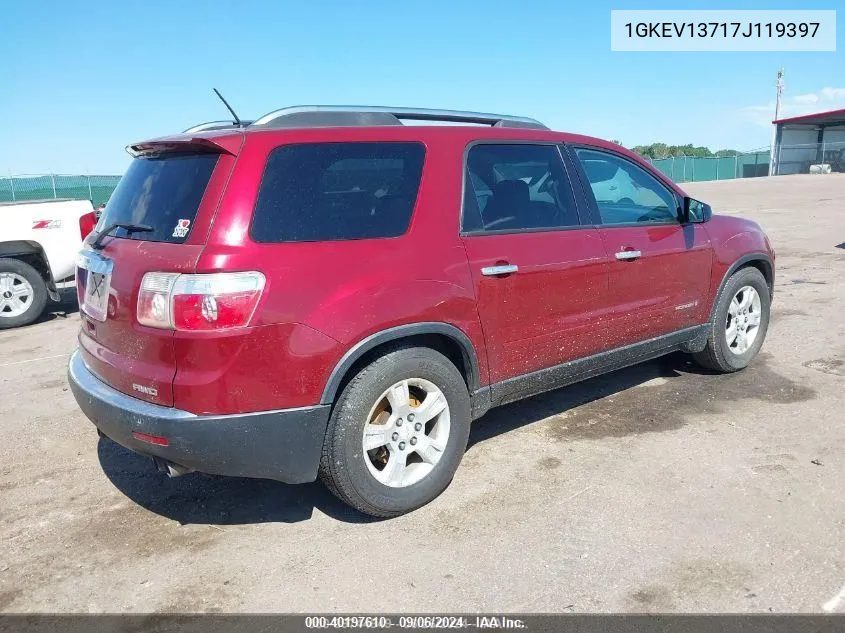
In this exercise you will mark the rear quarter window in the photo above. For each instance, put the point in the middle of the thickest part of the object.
(163, 193)
(337, 191)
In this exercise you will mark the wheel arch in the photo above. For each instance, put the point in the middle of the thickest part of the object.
(443, 337)
(32, 253)
(14, 248)
(760, 261)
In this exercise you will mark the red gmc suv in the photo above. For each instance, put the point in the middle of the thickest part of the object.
(326, 292)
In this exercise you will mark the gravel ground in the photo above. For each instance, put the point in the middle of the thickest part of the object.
(656, 488)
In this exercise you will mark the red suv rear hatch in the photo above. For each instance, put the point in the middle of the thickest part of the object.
(173, 186)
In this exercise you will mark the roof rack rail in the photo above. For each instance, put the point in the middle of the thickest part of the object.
(215, 125)
(334, 116)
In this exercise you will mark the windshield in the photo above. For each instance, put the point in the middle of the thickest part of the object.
(163, 193)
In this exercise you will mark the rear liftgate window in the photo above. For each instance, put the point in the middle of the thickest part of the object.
(337, 191)
(162, 192)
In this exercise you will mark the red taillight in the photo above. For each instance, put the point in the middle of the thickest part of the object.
(213, 311)
(87, 223)
(158, 440)
(199, 302)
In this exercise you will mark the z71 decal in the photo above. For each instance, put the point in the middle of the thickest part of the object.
(46, 224)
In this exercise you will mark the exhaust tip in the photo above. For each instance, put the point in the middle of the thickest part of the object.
(169, 468)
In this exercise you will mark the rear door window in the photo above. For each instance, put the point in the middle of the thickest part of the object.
(516, 187)
(162, 192)
(337, 191)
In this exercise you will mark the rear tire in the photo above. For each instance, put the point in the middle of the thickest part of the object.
(739, 323)
(391, 477)
(23, 293)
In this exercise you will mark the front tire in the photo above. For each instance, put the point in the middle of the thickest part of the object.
(23, 293)
(397, 433)
(739, 323)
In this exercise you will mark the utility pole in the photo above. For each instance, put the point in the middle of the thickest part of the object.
(779, 86)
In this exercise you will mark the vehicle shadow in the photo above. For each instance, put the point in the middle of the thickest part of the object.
(524, 412)
(67, 306)
(197, 498)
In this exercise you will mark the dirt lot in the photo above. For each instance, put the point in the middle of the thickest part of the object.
(657, 488)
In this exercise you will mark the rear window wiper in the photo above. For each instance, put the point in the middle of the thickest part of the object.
(97, 244)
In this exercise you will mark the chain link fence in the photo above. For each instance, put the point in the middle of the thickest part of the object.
(696, 168)
(97, 189)
(789, 159)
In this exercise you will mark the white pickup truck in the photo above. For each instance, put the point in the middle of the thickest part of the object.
(39, 242)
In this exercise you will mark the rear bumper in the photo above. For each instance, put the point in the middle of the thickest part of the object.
(284, 444)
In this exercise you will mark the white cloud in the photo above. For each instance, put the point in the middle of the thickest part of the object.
(834, 94)
(825, 99)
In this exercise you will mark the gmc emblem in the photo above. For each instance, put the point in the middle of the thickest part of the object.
(150, 391)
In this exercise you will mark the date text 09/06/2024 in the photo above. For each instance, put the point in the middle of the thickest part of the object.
(414, 622)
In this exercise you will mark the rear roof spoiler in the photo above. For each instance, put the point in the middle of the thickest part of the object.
(184, 144)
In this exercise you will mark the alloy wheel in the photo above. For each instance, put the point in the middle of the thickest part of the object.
(16, 295)
(406, 433)
(743, 320)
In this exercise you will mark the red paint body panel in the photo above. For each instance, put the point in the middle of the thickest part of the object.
(571, 298)
(254, 369)
(731, 239)
(664, 289)
(555, 309)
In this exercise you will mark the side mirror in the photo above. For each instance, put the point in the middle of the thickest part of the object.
(695, 212)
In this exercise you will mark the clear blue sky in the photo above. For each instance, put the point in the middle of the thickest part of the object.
(79, 81)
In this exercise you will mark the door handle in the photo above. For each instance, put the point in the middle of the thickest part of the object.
(503, 269)
(628, 255)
